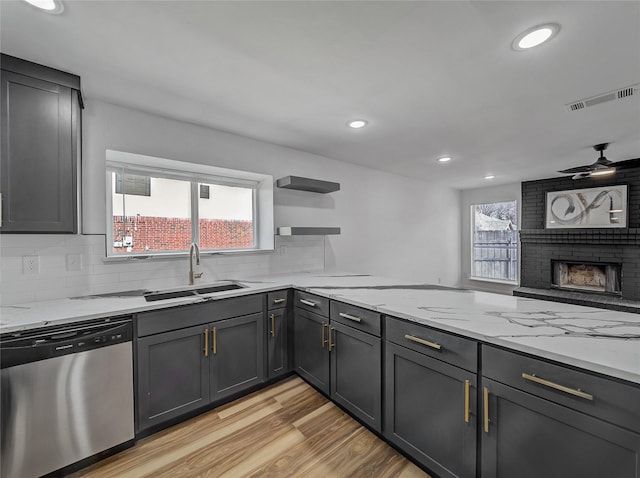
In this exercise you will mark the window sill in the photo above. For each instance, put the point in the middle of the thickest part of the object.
(178, 255)
(495, 281)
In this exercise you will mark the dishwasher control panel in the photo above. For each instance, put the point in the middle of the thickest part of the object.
(42, 344)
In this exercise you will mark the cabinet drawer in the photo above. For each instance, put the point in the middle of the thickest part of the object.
(356, 317)
(277, 299)
(607, 399)
(441, 345)
(314, 303)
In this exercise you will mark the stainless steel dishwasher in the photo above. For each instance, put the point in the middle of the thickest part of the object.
(66, 395)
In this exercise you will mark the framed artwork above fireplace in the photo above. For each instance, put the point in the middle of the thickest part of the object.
(604, 207)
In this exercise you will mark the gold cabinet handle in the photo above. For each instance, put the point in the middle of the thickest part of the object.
(215, 341)
(273, 325)
(556, 386)
(308, 302)
(418, 340)
(278, 301)
(206, 342)
(486, 409)
(350, 317)
(467, 387)
(324, 341)
(332, 343)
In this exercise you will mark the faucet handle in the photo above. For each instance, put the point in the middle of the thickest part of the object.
(197, 275)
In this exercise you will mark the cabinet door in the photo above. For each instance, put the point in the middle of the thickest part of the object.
(356, 373)
(277, 349)
(40, 124)
(173, 374)
(311, 350)
(237, 360)
(530, 437)
(430, 411)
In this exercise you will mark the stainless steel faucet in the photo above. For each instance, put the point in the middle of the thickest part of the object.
(192, 276)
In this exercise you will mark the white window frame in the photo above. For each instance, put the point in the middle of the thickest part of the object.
(262, 185)
(472, 221)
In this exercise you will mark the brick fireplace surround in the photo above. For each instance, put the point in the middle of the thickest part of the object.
(540, 246)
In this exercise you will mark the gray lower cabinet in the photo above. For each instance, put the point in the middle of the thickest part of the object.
(311, 348)
(41, 124)
(236, 355)
(277, 330)
(356, 363)
(277, 350)
(189, 357)
(173, 374)
(337, 351)
(530, 437)
(430, 406)
(544, 419)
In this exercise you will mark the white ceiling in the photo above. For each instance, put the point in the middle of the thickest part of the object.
(432, 78)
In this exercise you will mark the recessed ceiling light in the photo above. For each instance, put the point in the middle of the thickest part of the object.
(535, 36)
(49, 6)
(357, 124)
(490, 176)
(444, 159)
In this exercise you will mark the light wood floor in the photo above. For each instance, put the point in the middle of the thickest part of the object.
(285, 430)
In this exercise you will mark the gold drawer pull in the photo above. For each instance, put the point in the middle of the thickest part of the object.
(555, 386)
(206, 342)
(433, 345)
(273, 325)
(215, 341)
(486, 409)
(467, 386)
(308, 302)
(279, 301)
(350, 317)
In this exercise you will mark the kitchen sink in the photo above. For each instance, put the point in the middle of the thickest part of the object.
(192, 291)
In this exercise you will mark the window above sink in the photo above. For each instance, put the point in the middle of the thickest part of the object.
(158, 207)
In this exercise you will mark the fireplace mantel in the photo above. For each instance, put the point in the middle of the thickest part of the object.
(629, 236)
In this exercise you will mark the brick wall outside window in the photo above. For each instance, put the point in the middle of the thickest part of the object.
(151, 234)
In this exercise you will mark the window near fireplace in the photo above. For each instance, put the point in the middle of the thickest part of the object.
(494, 243)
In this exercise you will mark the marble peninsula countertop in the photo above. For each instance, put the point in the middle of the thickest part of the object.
(598, 340)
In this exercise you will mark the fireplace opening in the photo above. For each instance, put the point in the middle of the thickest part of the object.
(600, 278)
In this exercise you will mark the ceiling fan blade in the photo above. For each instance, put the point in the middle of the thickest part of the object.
(578, 169)
(629, 163)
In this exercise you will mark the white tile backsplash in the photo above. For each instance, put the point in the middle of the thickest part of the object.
(54, 281)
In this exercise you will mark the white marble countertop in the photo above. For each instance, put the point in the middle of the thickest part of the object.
(603, 341)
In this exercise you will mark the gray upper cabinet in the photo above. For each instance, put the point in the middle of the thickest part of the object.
(41, 136)
(543, 419)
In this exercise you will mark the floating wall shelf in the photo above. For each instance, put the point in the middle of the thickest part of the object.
(307, 184)
(308, 231)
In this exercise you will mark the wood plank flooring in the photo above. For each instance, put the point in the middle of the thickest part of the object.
(285, 430)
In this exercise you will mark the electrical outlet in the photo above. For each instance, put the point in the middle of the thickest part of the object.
(74, 262)
(30, 264)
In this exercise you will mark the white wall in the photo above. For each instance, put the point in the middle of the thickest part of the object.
(391, 225)
(502, 193)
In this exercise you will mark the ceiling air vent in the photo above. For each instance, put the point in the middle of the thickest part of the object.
(620, 94)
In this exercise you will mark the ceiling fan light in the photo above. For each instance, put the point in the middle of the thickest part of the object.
(603, 172)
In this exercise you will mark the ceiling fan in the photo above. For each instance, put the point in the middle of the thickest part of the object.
(602, 166)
